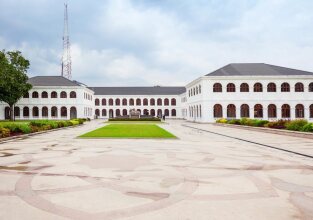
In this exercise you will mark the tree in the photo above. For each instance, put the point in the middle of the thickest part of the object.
(13, 78)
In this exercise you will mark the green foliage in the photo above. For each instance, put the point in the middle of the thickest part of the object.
(308, 127)
(35, 125)
(134, 119)
(259, 122)
(234, 121)
(296, 125)
(13, 83)
(18, 127)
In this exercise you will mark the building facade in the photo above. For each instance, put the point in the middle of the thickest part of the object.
(252, 90)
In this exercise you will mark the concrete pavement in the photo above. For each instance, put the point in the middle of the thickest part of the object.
(199, 176)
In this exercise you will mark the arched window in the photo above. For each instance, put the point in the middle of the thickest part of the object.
(197, 110)
(104, 102)
(124, 102)
(44, 112)
(244, 111)
(231, 111)
(166, 112)
(231, 87)
(131, 102)
(271, 87)
(194, 91)
(139, 111)
(110, 102)
(244, 87)
(173, 102)
(152, 112)
(258, 87)
(272, 111)
(218, 111)
(35, 111)
(138, 101)
(63, 95)
(124, 112)
(159, 113)
(17, 111)
(63, 111)
(199, 88)
(117, 102)
(35, 95)
(166, 102)
(97, 112)
(72, 95)
(44, 95)
(197, 91)
(145, 112)
(159, 102)
(111, 113)
(152, 102)
(285, 111)
(311, 87)
(54, 112)
(217, 87)
(145, 102)
(285, 87)
(258, 111)
(104, 112)
(97, 102)
(117, 112)
(54, 94)
(299, 87)
(174, 112)
(299, 111)
(25, 112)
(73, 112)
(26, 95)
(311, 111)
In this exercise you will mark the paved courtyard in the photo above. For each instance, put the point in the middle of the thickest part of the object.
(199, 176)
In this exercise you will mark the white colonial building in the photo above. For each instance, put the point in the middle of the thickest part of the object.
(252, 90)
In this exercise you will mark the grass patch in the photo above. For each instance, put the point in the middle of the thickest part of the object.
(129, 131)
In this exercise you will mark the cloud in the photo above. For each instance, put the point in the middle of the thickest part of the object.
(127, 42)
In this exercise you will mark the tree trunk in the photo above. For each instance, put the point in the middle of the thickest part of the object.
(11, 112)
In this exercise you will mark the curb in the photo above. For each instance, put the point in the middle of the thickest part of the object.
(3, 140)
(308, 135)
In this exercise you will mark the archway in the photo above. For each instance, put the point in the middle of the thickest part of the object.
(73, 113)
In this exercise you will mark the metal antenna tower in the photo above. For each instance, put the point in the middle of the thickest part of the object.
(66, 56)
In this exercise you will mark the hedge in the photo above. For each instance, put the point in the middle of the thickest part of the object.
(10, 128)
(134, 119)
(294, 125)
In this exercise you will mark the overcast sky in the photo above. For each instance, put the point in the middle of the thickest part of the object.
(163, 42)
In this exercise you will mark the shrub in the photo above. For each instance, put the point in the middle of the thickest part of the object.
(4, 132)
(280, 124)
(234, 122)
(134, 119)
(308, 127)
(259, 122)
(18, 127)
(296, 125)
(74, 122)
(222, 120)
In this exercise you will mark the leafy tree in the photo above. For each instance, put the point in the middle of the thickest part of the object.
(13, 78)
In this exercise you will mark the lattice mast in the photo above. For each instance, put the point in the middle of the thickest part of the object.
(66, 56)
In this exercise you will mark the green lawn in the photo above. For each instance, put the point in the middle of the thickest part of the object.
(129, 131)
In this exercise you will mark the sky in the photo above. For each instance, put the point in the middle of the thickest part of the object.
(163, 42)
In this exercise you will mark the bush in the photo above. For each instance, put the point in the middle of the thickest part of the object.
(74, 122)
(259, 122)
(308, 127)
(280, 124)
(222, 120)
(4, 132)
(134, 119)
(234, 122)
(296, 125)
(18, 127)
